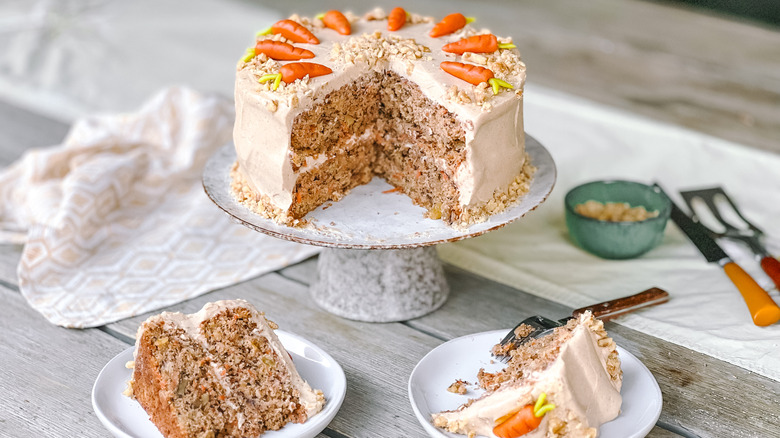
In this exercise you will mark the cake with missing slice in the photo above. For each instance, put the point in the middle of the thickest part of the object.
(433, 106)
(220, 372)
(562, 385)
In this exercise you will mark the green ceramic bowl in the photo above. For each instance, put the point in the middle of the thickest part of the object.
(617, 240)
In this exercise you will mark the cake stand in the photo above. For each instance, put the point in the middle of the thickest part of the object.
(379, 262)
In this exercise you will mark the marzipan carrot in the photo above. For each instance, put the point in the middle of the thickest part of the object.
(282, 51)
(528, 418)
(337, 21)
(474, 74)
(518, 424)
(296, 70)
(293, 31)
(487, 43)
(449, 24)
(396, 19)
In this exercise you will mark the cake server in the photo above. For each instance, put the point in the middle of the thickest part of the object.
(762, 309)
(749, 234)
(539, 325)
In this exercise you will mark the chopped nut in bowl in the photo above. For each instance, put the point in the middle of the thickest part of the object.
(616, 219)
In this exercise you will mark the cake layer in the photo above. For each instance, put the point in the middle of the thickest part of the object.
(167, 375)
(252, 373)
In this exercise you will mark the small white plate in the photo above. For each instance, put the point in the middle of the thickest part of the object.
(461, 358)
(125, 418)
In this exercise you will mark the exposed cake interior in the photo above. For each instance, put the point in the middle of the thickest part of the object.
(392, 131)
(576, 367)
(219, 372)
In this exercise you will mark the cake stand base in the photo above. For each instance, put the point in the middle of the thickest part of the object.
(380, 285)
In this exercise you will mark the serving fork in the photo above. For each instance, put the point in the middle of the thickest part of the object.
(539, 325)
(746, 232)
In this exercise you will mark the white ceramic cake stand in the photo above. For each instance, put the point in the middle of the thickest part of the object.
(379, 263)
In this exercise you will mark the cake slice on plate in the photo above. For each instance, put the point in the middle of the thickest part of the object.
(218, 372)
(564, 384)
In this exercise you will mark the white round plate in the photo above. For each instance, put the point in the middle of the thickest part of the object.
(371, 217)
(462, 358)
(125, 418)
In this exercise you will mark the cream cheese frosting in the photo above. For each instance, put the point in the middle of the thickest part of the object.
(577, 382)
(493, 124)
(312, 400)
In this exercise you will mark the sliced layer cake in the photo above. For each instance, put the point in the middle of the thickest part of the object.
(443, 125)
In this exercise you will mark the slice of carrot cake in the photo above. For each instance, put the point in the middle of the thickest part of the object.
(564, 384)
(220, 372)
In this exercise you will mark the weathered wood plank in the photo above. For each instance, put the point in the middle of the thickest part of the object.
(9, 260)
(703, 72)
(48, 373)
(703, 395)
(21, 130)
(377, 358)
(657, 432)
(304, 272)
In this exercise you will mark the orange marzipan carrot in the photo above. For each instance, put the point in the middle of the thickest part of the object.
(396, 19)
(518, 424)
(337, 21)
(449, 24)
(282, 51)
(476, 44)
(298, 70)
(473, 74)
(294, 32)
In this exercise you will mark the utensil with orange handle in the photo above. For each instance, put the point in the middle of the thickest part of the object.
(745, 232)
(762, 308)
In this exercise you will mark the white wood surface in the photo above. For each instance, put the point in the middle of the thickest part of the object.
(47, 373)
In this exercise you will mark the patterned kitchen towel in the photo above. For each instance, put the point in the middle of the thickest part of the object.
(115, 220)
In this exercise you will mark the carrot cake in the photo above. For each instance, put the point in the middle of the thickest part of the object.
(220, 372)
(433, 106)
(564, 384)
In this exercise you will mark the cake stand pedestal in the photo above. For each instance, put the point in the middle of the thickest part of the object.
(380, 286)
(379, 263)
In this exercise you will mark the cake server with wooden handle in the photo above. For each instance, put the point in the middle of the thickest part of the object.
(763, 309)
(538, 325)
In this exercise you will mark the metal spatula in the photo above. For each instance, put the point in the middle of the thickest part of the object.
(539, 325)
(744, 232)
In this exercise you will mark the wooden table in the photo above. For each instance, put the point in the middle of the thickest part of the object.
(717, 76)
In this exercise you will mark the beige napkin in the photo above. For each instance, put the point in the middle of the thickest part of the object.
(115, 219)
